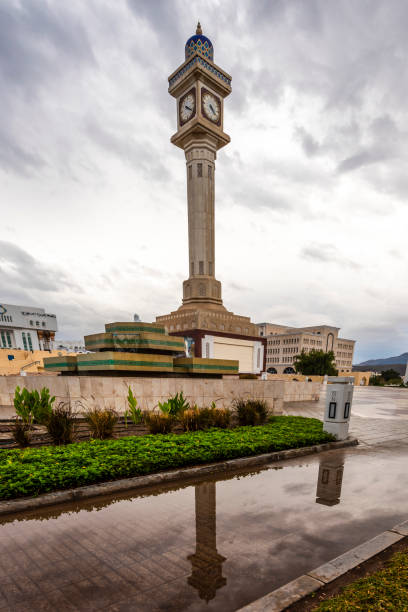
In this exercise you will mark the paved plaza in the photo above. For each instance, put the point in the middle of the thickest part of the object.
(217, 544)
(379, 414)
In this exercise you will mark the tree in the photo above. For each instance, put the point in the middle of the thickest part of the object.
(316, 363)
(388, 375)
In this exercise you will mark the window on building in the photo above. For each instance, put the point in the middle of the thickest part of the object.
(210, 267)
(201, 267)
(209, 172)
(199, 170)
(37, 323)
(31, 322)
(3, 339)
(8, 339)
(190, 172)
(24, 341)
(192, 268)
(30, 344)
(43, 323)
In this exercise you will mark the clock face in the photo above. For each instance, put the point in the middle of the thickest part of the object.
(211, 107)
(187, 107)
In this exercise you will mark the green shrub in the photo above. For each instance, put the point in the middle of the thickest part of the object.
(101, 422)
(33, 406)
(23, 405)
(43, 405)
(39, 470)
(21, 432)
(251, 412)
(133, 412)
(159, 423)
(60, 424)
(175, 405)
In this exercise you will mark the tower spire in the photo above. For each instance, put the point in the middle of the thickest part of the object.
(199, 29)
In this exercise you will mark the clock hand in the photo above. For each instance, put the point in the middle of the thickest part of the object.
(212, 110)
(188, 108)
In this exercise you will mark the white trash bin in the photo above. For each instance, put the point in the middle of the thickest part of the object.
(339, 398)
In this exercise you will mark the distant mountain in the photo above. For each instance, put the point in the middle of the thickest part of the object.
(386, 361)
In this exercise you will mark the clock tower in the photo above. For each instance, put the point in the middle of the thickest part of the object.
(199, 87)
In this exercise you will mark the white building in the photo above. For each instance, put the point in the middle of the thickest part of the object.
(71, 346)
(26, 327)
(284, 343)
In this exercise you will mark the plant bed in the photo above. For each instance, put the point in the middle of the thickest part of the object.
(33, 471)
(377, 585)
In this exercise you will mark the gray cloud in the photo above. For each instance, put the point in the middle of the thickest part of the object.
(139, 154)
(19, 268)
(317, 110)
(327, 253)
(309, 144)
(39, 46)
(37, 42)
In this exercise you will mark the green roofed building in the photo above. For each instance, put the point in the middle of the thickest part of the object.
(133, 348)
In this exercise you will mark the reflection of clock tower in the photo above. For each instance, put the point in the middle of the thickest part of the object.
(200, 87)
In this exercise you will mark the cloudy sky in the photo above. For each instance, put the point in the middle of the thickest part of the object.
(311, 194)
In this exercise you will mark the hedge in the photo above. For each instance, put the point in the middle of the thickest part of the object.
(33, 471)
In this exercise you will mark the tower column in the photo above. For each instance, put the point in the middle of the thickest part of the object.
(200, 163)
(201, 285)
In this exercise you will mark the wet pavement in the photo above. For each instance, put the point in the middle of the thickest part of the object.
(217, 544)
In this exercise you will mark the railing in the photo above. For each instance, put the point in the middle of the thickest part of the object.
(27, 365)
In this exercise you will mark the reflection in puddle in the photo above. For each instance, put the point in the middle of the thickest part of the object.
(206, 575)
(213, 544)
(330, 480)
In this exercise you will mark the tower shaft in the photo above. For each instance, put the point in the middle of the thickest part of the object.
(201, 285)
(200, 163)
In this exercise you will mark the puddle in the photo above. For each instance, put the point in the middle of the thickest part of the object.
(214, 545)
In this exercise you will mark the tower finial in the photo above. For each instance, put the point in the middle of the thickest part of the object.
(199, 30)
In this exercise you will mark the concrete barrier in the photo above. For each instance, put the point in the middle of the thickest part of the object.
(88, 391)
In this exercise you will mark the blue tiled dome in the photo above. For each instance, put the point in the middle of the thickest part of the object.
(198, 43)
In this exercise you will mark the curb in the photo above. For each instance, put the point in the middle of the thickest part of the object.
(292, 592)
(182, 474)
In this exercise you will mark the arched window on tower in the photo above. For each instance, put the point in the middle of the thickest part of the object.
(201, 290)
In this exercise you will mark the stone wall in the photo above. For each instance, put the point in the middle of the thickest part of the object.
(109, 391)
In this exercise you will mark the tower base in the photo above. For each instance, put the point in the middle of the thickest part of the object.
(211, 332)
(207, 316)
